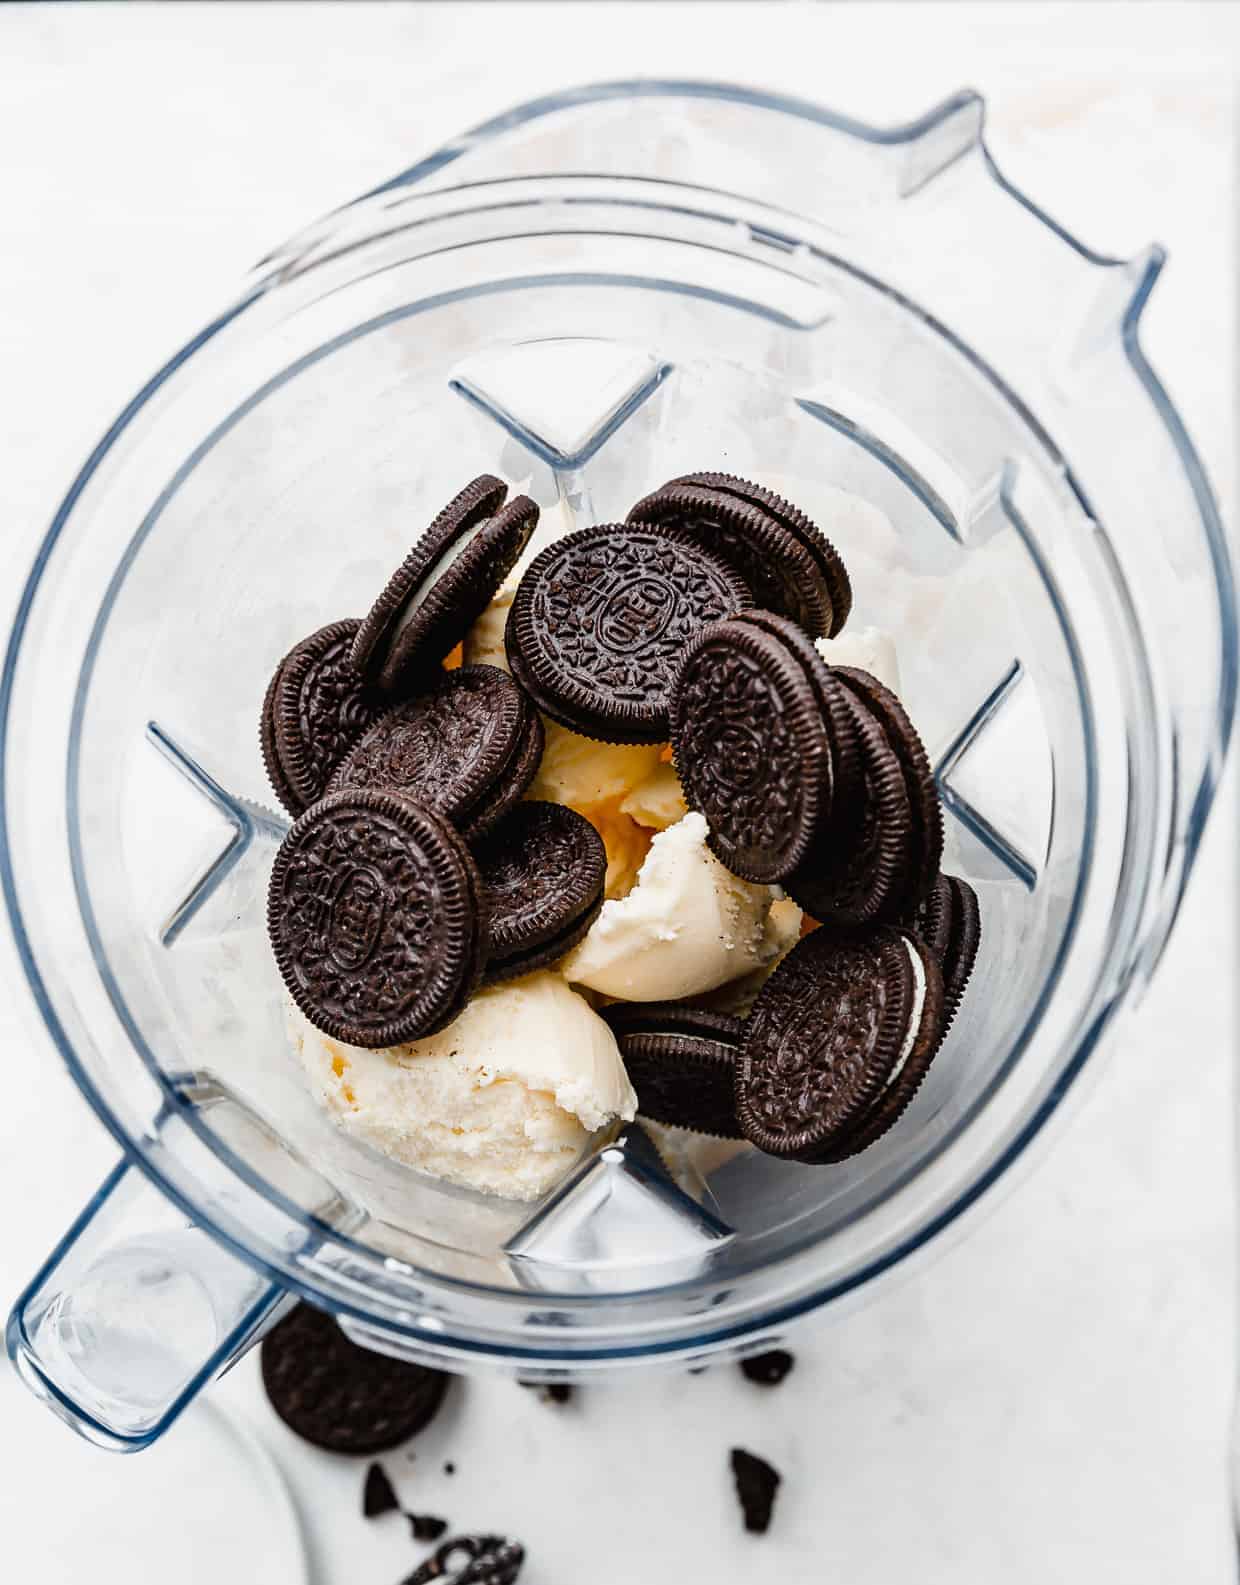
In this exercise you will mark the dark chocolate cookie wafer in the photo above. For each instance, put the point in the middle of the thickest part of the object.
(779, 572)
(684, 1076)
(751, 748)
(932, 918)
(921, 1043)
(453, 747)
(454, 594)
(601, 619)
(509, 789)
(341, 1397)
(791, 517)
(824, 1036)
(926, 846)
(271, 753)
(964, 938)
(671, 1018)
(315, 709)
(543, 869)
(376, 919)
(443, 585)
(858, 870)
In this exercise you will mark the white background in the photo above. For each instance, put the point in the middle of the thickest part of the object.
(1048, 1400)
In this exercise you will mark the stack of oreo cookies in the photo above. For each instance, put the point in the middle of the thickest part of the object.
(813, 778)
(416, 870)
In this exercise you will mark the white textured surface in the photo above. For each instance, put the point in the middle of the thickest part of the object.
(1048, 1400)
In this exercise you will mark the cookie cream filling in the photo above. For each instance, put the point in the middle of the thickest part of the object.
(914, 1023)
(417, 599)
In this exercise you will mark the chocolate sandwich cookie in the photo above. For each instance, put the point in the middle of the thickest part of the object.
(752, 748)
(798, 524)
(926, 840)
(376, 918)
(340, 1397)
(949, 921)
(543, 869)
(680, 1060)
(315, 709)
(602, 617)
(829, 1039)
(443, 585)
(920, 1048)
(858, 870)
(779, 572)
(467, 747)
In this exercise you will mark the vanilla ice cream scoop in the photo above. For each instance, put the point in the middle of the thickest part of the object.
(868, 648)
(687, 926)
(503, 1100)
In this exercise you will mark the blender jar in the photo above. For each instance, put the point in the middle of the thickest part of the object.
(589, 295)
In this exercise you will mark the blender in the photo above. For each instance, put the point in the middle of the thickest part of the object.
(588, 295)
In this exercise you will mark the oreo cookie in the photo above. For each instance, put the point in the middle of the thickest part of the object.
(949, 921)
(543, 869)
(471, 1560)
(340, 1397)
(444, 584)
(315, 709)
(680, 1060)
(779, 571)
(792, 518)
(752, 748)
(467, 747)
(837, 1042)
(920, 1048)
(601, 619)
(858, 871)
(926, 830)
(376, 918)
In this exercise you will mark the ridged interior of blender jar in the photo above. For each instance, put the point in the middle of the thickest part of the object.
(587, 364)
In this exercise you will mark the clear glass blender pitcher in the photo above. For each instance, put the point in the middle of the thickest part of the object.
(589, 295)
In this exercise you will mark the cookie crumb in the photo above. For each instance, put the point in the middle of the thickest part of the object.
(756, 1484)
(377, 1494)
(769, 1369)
(426, 1526)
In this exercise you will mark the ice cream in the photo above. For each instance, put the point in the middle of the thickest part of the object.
(687, 926)
(868, 648)
(503, 1100)
(657, 801)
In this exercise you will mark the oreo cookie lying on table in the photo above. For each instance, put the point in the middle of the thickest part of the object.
(340, 1397)
(376, 917)
(543, 869)
(444, 584)
(681, 1062)
(789, 565)
(315, 709)
(599, 622)
(468, 748)
(838, 1042)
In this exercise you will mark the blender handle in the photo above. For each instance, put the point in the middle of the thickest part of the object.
(134, 1311)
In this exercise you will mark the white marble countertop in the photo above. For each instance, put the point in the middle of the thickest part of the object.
(1048, 1400)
